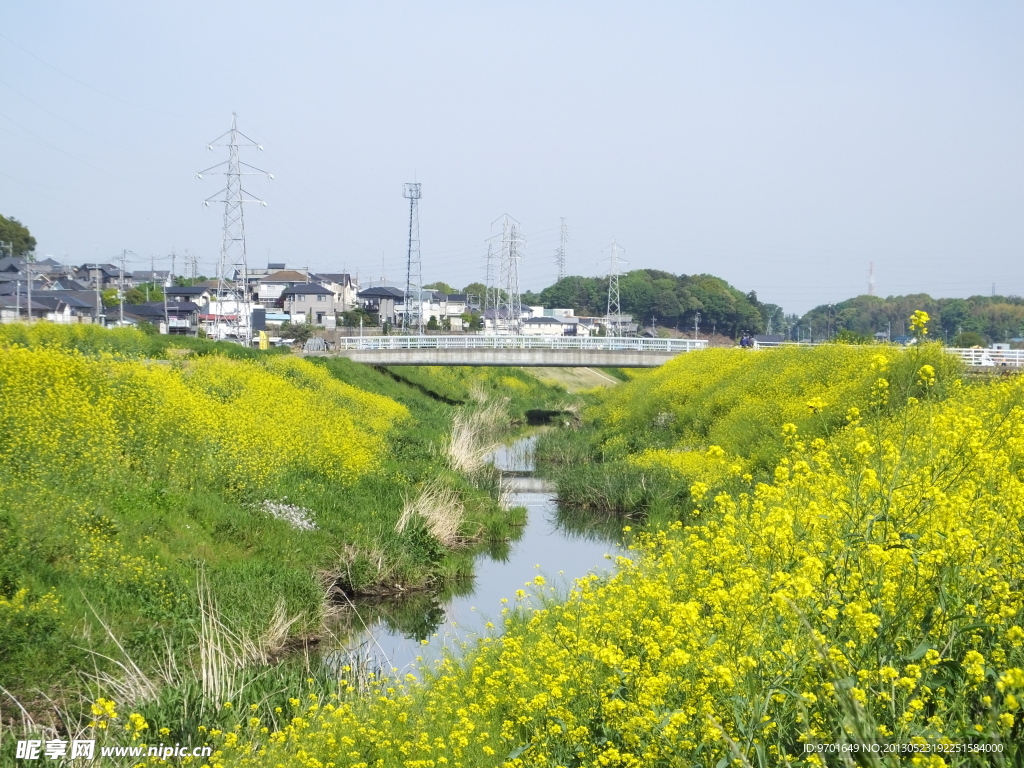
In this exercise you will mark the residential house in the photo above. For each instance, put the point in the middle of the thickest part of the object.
(382, 302)
(310, 302)
(269, 288)
(341, 284)
(108, 275)
(543, 326)
(159, 276)
(199, 294)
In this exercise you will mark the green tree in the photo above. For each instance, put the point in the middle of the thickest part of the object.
(440, 286)
(14, 232)
(476, 289)
(110, 297)
(297, 332)
(968, 339)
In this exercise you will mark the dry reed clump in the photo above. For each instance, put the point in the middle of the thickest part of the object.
(441, 511)
(358, 566)
(223, 655)
(474, 436)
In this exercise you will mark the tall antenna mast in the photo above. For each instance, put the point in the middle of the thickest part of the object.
(232, 250)
(413, 315)
(871, 278)
(613, 318)
(560, 253)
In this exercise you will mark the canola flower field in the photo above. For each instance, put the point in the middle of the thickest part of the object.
(857, 580)
(138, 480)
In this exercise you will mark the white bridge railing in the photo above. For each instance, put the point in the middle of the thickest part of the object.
(594, 343)
(1009, 358)
(999, 358)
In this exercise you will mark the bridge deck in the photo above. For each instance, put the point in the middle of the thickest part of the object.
(535, 351)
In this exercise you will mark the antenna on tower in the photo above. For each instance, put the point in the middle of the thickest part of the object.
(560, 252)
(613, 318)
(232, 250)
(413, 315)
(508, 316)
(871, 278)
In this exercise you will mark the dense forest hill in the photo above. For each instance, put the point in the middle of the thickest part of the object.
(666, 300)
(992, 318)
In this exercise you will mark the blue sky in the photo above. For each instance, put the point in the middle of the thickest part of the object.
(782, 146)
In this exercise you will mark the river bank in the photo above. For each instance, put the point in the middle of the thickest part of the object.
(169, 533)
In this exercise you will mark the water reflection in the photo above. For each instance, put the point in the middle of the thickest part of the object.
(560, 544)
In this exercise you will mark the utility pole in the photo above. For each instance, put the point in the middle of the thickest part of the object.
(28, 274)
(232, 250)
(413, 314)
(99, 301)
(560, 253)
(489, 286)
(871, 278)
(120, 289)
(696, 324)
(613, 317)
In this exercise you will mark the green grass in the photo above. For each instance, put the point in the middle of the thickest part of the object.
(157, 542)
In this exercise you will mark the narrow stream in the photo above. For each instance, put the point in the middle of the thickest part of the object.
(554, 543)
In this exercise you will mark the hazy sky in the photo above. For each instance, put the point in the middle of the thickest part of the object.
(782, 146)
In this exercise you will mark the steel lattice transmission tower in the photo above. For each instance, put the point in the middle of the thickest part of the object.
(613, 318)
(413, 315)
(560, 252)
(508, 316)
(232, 267)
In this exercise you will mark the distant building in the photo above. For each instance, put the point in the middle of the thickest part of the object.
(381, 302)
(309, 303)
(341, 285)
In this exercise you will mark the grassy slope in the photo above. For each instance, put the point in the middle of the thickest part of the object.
(129, 550)
(642, 443)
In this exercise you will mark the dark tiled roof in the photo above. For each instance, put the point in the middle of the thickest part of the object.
(306, 288)
(191, 290)
(335, 277)
(284, 276)
(152, 309)
(382, 291)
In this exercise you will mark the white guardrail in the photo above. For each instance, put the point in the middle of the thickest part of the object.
(607, 343)
(999, 358)
(981, 358)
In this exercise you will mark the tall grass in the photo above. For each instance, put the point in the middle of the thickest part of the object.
(440, 509)
(475, 434)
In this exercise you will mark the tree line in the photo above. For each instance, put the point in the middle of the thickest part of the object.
(661, 299)
(963, 322)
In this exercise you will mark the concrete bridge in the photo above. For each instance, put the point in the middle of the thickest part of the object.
(525, 351)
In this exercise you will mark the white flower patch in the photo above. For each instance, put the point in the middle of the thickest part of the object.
(295, 516)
